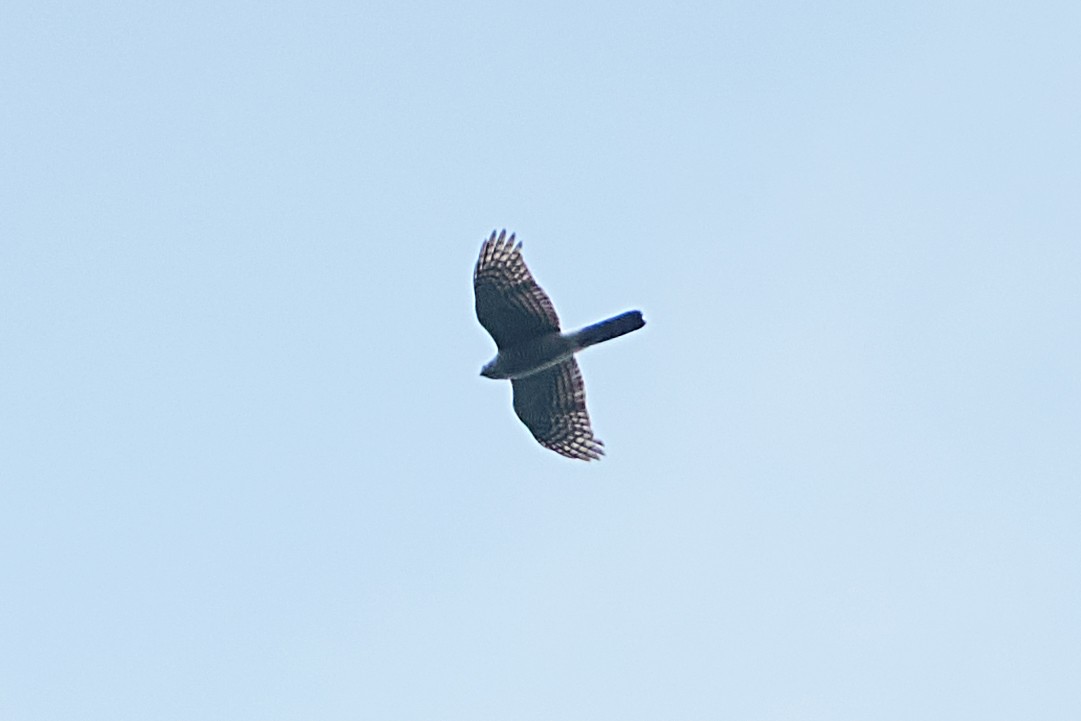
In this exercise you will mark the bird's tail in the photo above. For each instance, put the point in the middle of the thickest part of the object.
(608, 329)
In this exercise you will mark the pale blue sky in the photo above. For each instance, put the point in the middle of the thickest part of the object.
(249, 471)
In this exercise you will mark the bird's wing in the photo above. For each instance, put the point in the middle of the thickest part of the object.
(510, 304)
(552, 405)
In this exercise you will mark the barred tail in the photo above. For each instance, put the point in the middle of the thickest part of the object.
(608, 329)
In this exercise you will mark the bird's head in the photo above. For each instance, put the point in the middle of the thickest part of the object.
(488, 371)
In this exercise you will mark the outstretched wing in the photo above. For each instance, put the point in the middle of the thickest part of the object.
(510, 304)
(552, 404)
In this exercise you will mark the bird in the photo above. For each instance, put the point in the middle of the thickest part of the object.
(533, 353)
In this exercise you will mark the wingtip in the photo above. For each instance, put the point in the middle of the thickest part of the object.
(500, 237)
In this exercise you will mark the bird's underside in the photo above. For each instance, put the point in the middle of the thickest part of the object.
(549, 395)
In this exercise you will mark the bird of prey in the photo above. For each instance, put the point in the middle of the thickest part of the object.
(549, 396)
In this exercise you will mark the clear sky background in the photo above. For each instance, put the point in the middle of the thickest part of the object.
(249, 470)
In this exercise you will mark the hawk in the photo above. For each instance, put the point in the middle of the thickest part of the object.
(549, 396)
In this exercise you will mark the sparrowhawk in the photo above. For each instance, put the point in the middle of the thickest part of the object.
(549, 396)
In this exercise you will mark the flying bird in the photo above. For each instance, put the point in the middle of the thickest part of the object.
(549, 396)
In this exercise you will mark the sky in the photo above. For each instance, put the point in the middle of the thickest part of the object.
(249, 471)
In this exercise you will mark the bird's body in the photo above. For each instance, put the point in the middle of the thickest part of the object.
(545, 351)
(549, 396)
(530, 357)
